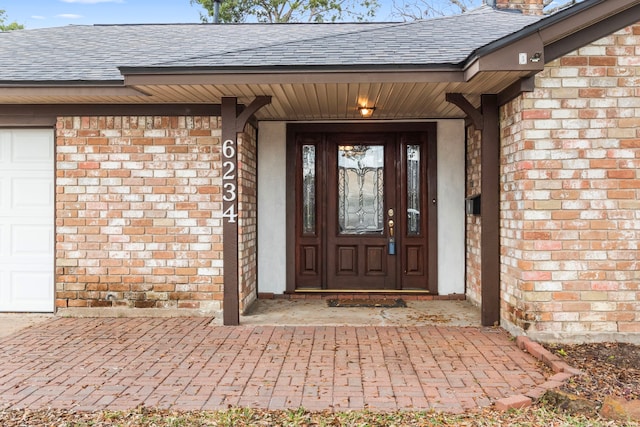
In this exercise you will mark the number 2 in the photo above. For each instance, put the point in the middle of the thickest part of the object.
(229, 173)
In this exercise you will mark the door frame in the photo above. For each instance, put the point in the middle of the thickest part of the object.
(428, 128)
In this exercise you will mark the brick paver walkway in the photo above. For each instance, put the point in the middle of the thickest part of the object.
(185, 364)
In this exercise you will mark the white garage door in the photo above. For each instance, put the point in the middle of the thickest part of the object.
(26, 220)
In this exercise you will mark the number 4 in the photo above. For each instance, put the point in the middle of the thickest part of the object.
(230, 214)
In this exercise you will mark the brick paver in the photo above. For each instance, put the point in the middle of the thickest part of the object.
(185, 364)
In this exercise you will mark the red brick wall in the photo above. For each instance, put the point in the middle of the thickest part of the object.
(571, 191)
(138, 206)
(247, 227)
(474, 222)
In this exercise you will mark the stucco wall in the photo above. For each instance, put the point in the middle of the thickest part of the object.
(272, 219)
(570, 197)
(272, 216)
(451, 207)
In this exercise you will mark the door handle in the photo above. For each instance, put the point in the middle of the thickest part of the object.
(392, 240)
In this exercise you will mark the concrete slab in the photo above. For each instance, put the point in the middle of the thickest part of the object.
(316, 312)
(10, 323)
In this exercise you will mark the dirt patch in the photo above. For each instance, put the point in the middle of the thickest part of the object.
(610, 369)
(433, 318)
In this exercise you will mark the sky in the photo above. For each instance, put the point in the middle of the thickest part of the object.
(55, 13)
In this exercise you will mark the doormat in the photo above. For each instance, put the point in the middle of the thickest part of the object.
(375, 303)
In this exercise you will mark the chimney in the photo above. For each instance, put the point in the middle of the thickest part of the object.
(527, 7)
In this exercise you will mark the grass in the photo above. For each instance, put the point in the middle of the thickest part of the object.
(240, 417)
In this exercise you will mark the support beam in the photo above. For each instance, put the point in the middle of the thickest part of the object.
(232, 123)
(525, 84)
(490, 211)
(472, 112)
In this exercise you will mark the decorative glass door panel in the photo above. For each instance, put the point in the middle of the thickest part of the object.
(309, 189)
(360, 175)
(413, 190)
(361, 189)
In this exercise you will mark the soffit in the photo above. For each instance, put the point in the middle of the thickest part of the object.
(293, 101)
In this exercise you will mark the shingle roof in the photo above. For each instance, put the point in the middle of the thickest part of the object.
(94, 53)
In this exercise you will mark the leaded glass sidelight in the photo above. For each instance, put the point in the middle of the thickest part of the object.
(308, 189)
(413, 190)
(361, 189)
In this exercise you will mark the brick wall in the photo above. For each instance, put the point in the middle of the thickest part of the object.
(528, 7)
(474, 223)
(570, 199)
(247, 227)
(138, 207)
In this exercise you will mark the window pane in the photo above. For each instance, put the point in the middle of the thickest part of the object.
(413, 190)
(361, 189)
(308, 189)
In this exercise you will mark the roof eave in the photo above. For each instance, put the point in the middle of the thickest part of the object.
(554, 36)
(56, 89)
(61, 83)
(139, 76)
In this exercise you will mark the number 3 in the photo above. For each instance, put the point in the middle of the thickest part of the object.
(230, 192)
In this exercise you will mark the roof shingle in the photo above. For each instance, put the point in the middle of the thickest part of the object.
(94, 53)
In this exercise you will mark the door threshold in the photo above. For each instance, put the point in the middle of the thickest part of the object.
(362, 294)
(363, 291)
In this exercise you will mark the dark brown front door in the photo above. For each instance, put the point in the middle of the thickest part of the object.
(364, 208)
(360, 211)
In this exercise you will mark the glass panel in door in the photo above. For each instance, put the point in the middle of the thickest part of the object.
(361, 189)
(309, 189)
(413, 190)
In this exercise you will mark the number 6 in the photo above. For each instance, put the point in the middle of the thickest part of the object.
(228, 150)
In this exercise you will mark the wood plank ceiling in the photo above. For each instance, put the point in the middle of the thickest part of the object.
(293, 101)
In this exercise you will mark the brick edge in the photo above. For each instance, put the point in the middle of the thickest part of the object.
(561, 369)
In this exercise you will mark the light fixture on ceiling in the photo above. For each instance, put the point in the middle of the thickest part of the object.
(366, 112)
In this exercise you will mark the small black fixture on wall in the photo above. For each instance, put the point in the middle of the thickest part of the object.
(473, 204)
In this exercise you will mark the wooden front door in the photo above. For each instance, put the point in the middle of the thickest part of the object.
(360, 211)
(364, 208)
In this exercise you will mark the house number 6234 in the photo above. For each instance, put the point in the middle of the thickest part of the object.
(228, 174)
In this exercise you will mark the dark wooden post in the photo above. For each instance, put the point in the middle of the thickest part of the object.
(490, 211)
(232, 123)
(230, 308)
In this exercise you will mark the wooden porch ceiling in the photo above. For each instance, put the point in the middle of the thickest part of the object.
(301, 100)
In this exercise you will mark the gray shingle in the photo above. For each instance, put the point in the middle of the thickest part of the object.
(94, 53)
